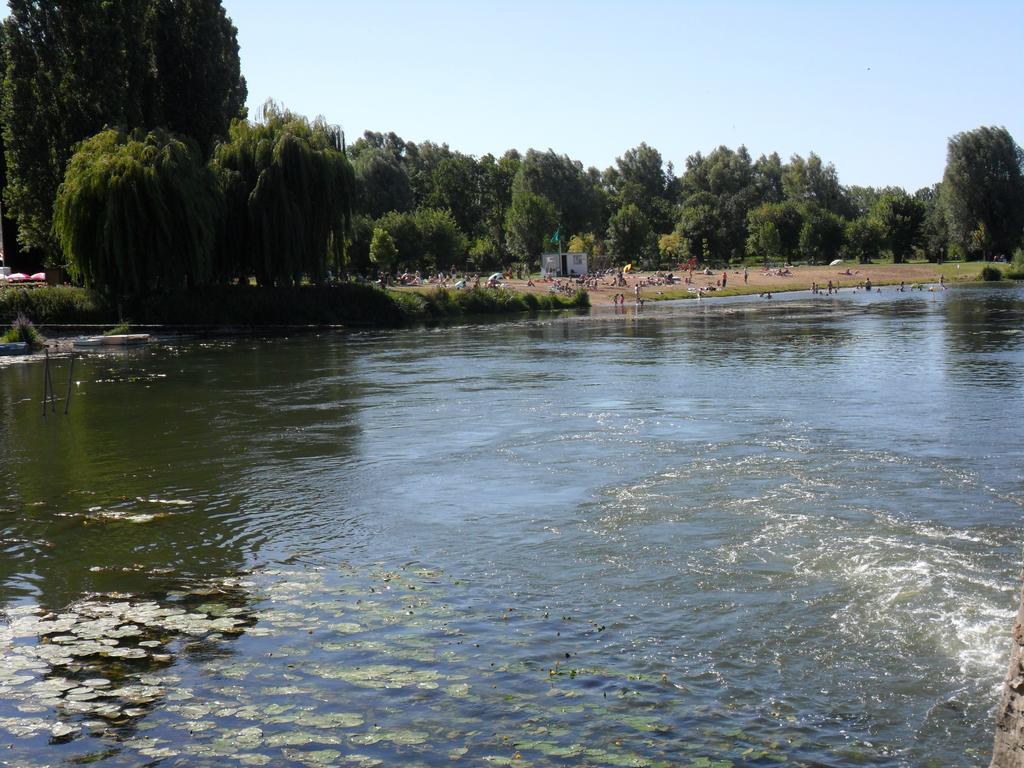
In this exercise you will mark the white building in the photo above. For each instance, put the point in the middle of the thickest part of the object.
(563, 264)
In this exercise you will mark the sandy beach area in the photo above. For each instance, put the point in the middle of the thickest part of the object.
(800, 278)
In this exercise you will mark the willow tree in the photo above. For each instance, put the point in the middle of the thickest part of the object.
(137, 212)
(289, 190)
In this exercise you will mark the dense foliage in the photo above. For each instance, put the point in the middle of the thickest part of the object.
(983, 190)
(137, 213)
(349, 304)
(75, 68)
(288, 192)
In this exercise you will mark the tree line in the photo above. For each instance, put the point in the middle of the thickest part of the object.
(724, 207)
(128, 157)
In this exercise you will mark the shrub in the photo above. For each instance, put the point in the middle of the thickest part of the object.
(48, 305)
(991, 274)
(22, 330)
(1016, 270)
(118, 330)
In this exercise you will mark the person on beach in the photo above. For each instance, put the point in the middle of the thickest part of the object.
(942, 280)
(867, 285)
(829, 287)
(636, 291)
(725, 277)
(745, 275)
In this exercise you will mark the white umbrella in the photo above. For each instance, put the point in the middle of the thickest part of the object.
(835, 263)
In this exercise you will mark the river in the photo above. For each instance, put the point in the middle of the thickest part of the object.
(734, 533)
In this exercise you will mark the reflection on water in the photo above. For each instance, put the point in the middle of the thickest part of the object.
(739, 531)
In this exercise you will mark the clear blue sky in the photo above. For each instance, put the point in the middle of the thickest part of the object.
(877, 88)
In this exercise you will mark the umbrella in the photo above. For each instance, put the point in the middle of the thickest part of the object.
(835, 263)
(496, 276)
(627, 268)
(40, 276)
(17, 277)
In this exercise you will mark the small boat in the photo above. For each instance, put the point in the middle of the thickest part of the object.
(125, 339)
(88, 341)
(14, 348)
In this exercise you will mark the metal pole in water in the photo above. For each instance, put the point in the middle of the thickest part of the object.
(67, 398)
(49, 381)
(46, 380)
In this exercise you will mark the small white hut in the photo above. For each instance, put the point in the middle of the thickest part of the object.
(563, 264)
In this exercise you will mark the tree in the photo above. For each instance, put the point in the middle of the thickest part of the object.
(821, 235)
(73, 69)
(444, 245)
(405, 234)
(768, 178)
(724, 182)
(198, 73)
(864, 239)
(811, 181)
(496, 177)
(641, 178)
(629, 235)
(357, 243)
(935, 230)
(455, 185)
(564, 183)
(137, 212)
(763, 242)
(786, 219)
(383, 252)
(698, 227)
(983, 191)
(289, 191)
(530, 219)
(671, 248)
(382, 183)
(66, 79)
(587, 243)
(901, 218)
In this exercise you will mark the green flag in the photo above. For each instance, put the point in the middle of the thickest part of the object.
(557, 237)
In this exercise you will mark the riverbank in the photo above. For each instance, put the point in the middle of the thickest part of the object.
(348, 304)
(799, 278)
(361, 305)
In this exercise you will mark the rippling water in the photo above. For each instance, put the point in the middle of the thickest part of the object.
(733, 533)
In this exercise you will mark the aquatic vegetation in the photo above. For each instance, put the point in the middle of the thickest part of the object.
(345, 667)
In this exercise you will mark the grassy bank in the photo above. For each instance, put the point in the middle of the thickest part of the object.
(346, 304)
(441, 303)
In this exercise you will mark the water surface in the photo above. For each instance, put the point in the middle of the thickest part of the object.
(731, 533)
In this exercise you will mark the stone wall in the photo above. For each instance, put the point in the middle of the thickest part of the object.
(1008, 751)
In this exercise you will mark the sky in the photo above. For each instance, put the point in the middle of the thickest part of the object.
(876, 88)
